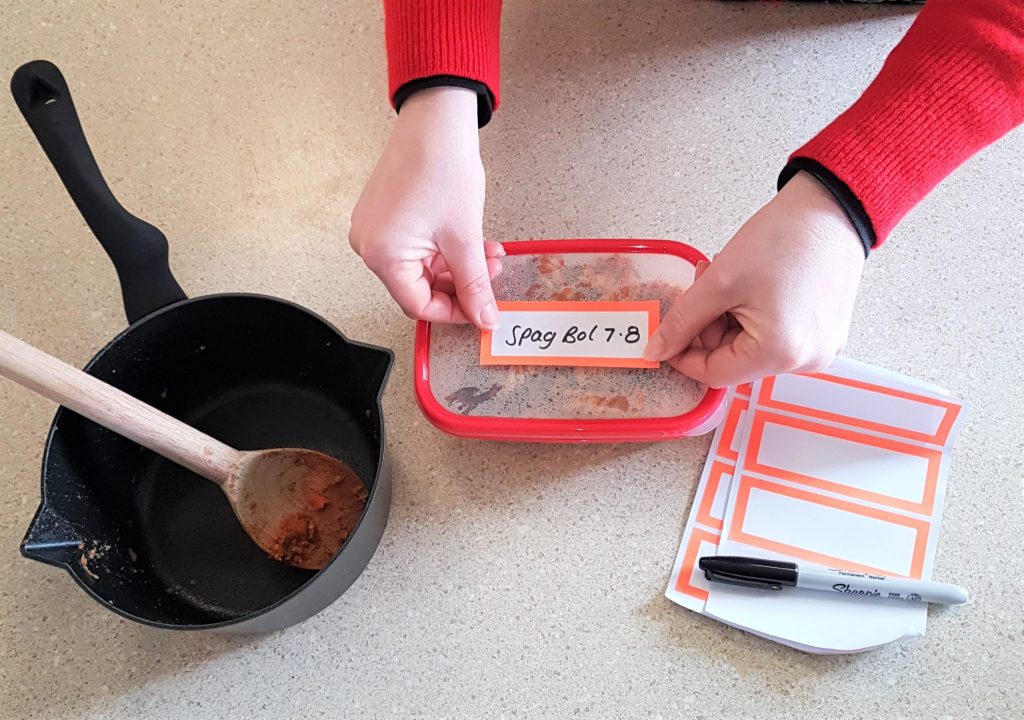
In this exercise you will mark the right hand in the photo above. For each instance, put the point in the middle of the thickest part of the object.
(419, 223)
(778, 298)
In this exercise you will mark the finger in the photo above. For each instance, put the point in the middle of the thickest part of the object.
(409, 282)
(817, 364)
(730, 335)
(494, 267)
(437, 264)
(711, 336)
(439, 267)
(698, 307)
(494, 249)
(472, 280)
(732, 363)
(445, 283)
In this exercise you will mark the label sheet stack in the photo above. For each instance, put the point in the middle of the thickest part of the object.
(844, 469)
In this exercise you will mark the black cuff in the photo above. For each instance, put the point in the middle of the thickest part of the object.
(840, 191)
(484, 98)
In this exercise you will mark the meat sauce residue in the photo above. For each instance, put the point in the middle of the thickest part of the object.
(618, 402)
(330, 499)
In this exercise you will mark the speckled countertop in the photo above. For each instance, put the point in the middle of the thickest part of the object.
(512, 579)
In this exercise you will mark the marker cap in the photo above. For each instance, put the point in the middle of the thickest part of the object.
(749, 572)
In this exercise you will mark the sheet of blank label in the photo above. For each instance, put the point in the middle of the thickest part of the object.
(842, 469)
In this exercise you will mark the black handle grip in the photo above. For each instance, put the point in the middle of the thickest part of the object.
(137, 249)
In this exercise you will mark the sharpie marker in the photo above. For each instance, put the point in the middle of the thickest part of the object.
(775, 575)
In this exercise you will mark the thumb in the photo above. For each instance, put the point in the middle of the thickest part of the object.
(472, 280)
(701, 304)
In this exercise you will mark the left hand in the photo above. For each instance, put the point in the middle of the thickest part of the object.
(419, 223)
(778, 298)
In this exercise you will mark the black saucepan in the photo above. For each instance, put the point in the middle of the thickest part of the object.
(144, 537)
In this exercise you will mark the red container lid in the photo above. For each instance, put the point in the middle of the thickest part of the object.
(567, 404)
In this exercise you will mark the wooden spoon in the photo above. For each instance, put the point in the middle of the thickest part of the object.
(298, 505)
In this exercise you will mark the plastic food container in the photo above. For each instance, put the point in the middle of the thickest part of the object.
(530, 403)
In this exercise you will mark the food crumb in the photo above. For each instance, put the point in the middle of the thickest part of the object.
(318, 502)
(618, 402)
(548, 264)
(84, 562)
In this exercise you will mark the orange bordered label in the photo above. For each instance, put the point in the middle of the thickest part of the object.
(581, 334)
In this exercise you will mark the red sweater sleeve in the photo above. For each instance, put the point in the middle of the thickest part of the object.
(442, 37)
(953, 85)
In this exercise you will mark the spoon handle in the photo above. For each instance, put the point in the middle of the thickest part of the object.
(116, 410)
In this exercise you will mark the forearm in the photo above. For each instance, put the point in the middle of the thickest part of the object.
(952, 86)
(432, 43)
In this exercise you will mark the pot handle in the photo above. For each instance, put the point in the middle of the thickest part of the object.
(137, 249)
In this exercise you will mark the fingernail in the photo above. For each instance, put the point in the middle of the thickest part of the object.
(654, 348)
(489, 317)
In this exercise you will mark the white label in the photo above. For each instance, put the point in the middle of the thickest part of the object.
(608, 334)
(827, 533)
